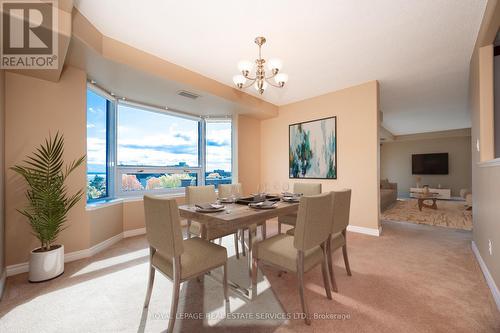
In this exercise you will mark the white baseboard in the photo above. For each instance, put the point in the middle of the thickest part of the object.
(365, 230)
(487, 275)
(2, 282)
(134, 232)
(70, 256)
(17, 269)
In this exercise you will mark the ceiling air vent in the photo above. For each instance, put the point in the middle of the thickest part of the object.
(187, 94)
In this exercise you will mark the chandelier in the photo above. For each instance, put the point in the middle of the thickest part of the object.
(260, 81)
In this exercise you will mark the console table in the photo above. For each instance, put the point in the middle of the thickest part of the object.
(443, 193)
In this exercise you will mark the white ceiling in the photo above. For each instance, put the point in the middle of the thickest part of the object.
(419, 50)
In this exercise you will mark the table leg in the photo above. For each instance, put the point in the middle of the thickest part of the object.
(434, 205)
(250, 243)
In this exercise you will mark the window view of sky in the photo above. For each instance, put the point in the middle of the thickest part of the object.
(218, 153)
(96, 133)
(148, 138)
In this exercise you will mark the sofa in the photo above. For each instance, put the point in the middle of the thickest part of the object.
(388, 194)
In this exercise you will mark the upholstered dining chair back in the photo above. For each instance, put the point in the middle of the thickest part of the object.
(307, 188)
(226, 190)
(200, 194)
(341, 208)
(163, 227)
(314, 221)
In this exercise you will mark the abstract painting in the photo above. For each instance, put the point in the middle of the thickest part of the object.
(313, 149)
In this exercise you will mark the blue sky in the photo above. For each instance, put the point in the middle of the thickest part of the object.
(150, 138)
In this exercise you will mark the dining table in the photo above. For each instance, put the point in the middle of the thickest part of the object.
(232, 218)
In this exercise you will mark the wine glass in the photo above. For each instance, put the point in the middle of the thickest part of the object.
(285, 187)
(276, 187)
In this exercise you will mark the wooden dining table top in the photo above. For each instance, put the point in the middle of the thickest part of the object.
(234, 216)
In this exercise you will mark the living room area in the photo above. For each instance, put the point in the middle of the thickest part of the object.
(426, 178)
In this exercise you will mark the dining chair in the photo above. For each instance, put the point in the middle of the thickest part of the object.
(179, 260)
(341, 203)
(200, 195)
(303, 251)
(228, 190)
(305, 189)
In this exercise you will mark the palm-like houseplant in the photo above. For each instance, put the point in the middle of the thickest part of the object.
(48, 204)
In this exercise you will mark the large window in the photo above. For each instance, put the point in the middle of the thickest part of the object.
(156, 151)
(218, 159)
(149, 138)
(135, 149)
(97, 157)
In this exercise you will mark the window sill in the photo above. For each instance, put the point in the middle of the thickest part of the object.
(490, 163)
(115, 201)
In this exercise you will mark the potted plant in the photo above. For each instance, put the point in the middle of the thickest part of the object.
(48, 205)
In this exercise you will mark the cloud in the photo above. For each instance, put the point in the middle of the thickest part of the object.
(218, 143)
(90, 125)
(174, 149)
(182, 136)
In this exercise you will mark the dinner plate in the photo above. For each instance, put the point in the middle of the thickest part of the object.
(226, 200)
(290, 199)
(210, 210)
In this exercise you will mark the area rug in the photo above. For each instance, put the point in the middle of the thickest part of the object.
(450, 214)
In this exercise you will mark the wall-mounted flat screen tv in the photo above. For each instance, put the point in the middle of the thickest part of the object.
(429, 164)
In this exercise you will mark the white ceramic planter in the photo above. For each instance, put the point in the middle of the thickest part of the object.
(46, 265)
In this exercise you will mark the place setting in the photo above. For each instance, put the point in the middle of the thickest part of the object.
(209, 207)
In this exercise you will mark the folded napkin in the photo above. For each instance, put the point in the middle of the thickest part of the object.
(209, 206)
(265, 204)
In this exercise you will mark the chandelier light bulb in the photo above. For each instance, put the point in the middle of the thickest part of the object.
(239, 80)
(274, 65)
(245, 66)
(281, 79)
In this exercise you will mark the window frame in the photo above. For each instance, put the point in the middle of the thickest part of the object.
(220, 119)
(110, 110)
(114, 171)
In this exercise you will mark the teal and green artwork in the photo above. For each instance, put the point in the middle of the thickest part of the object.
(313, 149)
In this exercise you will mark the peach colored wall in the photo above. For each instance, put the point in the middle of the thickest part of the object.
(2, 175)
(485, 173)
(105, 223)
(356, 109)
(249, 153)
(35, 108)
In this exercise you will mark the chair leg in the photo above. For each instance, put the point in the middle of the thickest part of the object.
(330, 264)
(344, 252)
(263, 230)
(324, 271)
(279, 227)
(226, 297)
(220, 241)
(236, 241)
(300, 273)
(175, 294)
(151, 280)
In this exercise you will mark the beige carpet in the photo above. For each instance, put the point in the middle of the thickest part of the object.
(450, 214)
(414, 278)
